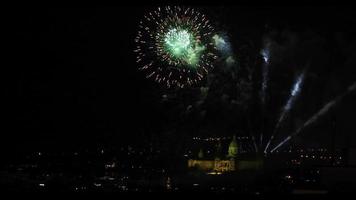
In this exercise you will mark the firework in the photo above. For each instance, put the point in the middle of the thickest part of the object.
(223, 46)
(317, 115)
(293, 95)
(266, 58)
(265, 53)
(174, 46)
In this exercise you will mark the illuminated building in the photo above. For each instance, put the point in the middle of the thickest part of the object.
(223, 163)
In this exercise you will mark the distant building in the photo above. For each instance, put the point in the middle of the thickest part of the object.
(223, 163)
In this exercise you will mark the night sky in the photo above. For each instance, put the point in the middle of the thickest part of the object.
(72, 76)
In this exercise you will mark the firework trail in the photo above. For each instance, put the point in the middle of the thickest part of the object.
(266, 60)
(265, 53)
(293, 95)
(316, 116)
(254, 143)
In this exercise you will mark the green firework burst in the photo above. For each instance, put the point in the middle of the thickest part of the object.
(174, 46)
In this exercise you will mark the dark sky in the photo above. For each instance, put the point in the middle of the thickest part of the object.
(72, 74)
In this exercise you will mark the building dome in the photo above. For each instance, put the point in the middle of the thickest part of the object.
(201, 154)
(233, 148)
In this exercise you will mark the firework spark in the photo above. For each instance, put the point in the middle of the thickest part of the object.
(174, 46)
